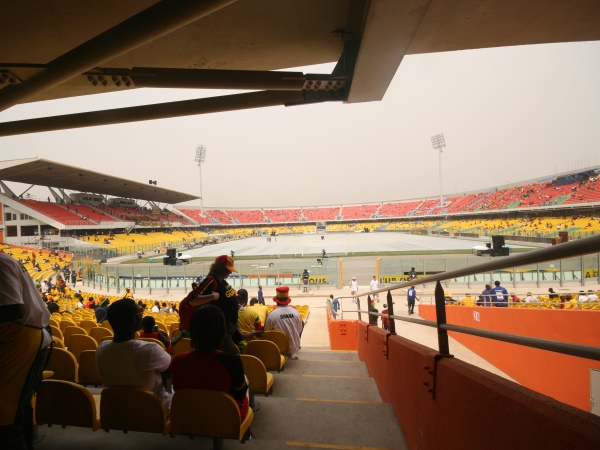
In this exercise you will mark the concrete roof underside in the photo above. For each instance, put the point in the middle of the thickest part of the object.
(63, 48)
(42, 172)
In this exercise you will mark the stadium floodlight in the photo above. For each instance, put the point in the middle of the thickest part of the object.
(200, 158)
(438, 142)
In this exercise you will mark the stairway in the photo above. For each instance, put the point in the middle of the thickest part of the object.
(326, 399)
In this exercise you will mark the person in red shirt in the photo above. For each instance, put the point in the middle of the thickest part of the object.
(385, 321)
(207, 367)
(150, 330)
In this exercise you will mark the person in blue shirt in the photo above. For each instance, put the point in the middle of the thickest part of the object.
(411, 296)
(261, 298)
(486, 296)
(335, 303)
(499, 295)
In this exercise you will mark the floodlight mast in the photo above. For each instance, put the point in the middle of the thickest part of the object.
(438, 142)
(200, 158)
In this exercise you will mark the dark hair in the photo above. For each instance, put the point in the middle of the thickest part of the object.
(121, 312)
(218, 271)
(148, 323)
(207, 329)
(497, 283)
(253, 301)
(243, 295)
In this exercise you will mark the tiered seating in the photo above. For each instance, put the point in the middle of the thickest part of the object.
(56, 212)
(219, 216)
(196, 215)
(91, 213)
(397, 209)
(426, 207)
(283, 215)
(359, 211)
(320, 214)
(247, 216)
(457, 204)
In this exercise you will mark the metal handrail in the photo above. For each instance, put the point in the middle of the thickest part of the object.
(566, 250)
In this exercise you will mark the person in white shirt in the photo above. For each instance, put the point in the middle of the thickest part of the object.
(126, 361)
(156, 307)
(23, 345)
(285, 318)
(375, 285)
(582, 297)
(591, 296)
(353, 286)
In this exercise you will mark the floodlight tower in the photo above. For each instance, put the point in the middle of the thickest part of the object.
(438, 142)
(200, 158)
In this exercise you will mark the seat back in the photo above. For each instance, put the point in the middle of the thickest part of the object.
(184, 345)
(67, 404)
(63, 364)
(267, 352)
(259, 380)
(58, 342)
(88, 324)
(106, 324)
(70, 331)
(99, 332)
(201, 412)
(87, 372)
(80, 342)
(278, 338)
(63, 324)
(56, 332)
(130, 408)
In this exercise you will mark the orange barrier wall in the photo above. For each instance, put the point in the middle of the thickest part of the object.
(565, 378)
(472, 409)
(342, 333)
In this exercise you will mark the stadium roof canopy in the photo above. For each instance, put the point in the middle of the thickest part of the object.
(62, 48)
(43, 172)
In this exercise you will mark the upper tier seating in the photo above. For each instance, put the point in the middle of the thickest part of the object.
(318, 214)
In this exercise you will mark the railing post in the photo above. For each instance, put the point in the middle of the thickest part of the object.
(390, 304)
(440, 310)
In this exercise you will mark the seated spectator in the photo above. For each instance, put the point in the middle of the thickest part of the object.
(165, 308)
(467, 301)
(126, 361)
(156, 307)
(52, 305)
(102, 310)
(150, 330)
(530, 298)
(207, 367)
(249, 323)
(285, 318)
(142, 305)
(260, 308)
(90, 304)
(512, 298)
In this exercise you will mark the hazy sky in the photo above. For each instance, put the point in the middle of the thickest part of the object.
(507, 114)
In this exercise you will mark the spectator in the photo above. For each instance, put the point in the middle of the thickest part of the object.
(156, 307)
(375, 285)
(531, 299)
(23, 319)
(207, 367)
(385, 321)
(286, 319)
(74, 278)
(353, 286)
(165, 308)
(52, 305)
(150, 330)
(261, 298)
(487, 296)
(214, 289)
(128, 293)
(261, 309)
(467, 300)
(551, 294)
(126, 361)
(90, 303)
(102, 310)
(411, 296)
(335, 303)
(305, 278)
(499, 295)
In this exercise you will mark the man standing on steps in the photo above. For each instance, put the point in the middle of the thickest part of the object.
(411, 297)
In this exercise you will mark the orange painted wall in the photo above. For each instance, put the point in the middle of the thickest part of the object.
(564, 378)
(342, 333)
(473, 409)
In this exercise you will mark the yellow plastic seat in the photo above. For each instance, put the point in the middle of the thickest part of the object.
(99, 332)
(184, 345)
(66, 404)
(81, 342)
(215, 414)
(56, 332)
(88, 324)
(58, 342)
(63, 364)
(70, 331)
(66, 323)
(87, 372)
(279, 339)
(130, 408)
(259, 380)
(268, 353)
(106, 324)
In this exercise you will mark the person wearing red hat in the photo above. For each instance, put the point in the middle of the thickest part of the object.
(285, 318)
(214, 289)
